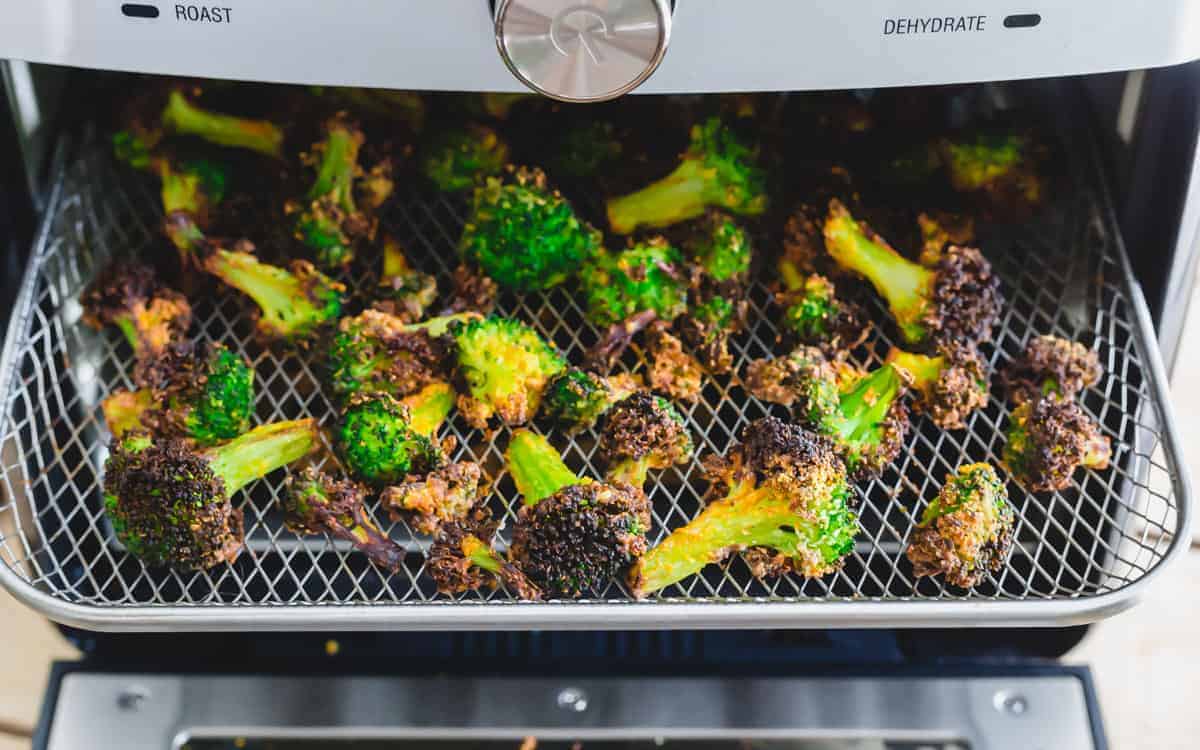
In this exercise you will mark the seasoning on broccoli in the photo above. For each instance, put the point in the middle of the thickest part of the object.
(781, 495)
(949, 386)
(643, 432)
(673, 370)
(815, 315)
(717, 295)
(804, 381)
(460, 159)
(999, 167)
(956, 300)
(717, 171)
(524, 235)
(585, 148)
(1052, 366)
(377, 352)
(966, 531)
(403, 291)
(169, 502)
(576, 398)
(317, 503)
(131, 298)
(572, 534)
(1048, 439)
(505, 366)
(442, 496)
(294, 303)
(462, 559)
(940, 230)
(382, 441)
(471, 291)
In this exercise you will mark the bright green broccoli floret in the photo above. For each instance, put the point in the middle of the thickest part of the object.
(722, 248)
(378, 352)
(383, 440)
(460, 159)
(585, 148)
(506, 366)
(717, 294)
(786, 502)
(717, 171)
(170, 503)
(645, 276)
(524, 235)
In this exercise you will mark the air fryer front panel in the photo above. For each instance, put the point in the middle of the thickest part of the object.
(716, 45)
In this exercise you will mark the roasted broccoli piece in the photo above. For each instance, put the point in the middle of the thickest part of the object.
(572, 534)
(294, 303)
(942, 230)
(585, 148)
(956, 300)
(576, 398)
(378, 352)
(949, 385)
(781, 495)
(647, 275)
(505, 366)
(717, 302)
(1048, 439)
(524, 235)
(131, 298)
(189, 191)
(330, 220)
(388, 104)
(966, 531)
(169, 502)
(442, 496)
(471, 291)
(182, 117)
(673, 370)
(814, 314)
(717, 171)
(462, 558)
(804, 381)
(383, 441)
(1052, 366)
(643, 432)
(999, 167)
(460, 159)
(317, 503)
(204, 394)
(403, 291)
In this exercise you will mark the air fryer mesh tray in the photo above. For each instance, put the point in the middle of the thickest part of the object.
(1080, 553)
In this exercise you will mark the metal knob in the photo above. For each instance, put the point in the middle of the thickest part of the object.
(583, 50)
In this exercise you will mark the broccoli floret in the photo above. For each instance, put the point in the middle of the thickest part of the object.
(781, 495)
(1048, 439)
(804, 381)
(950, 385)
(814, 314)
(956, 300)
(330, 220)
(572, 534)
(189, 191)
(647, 275)
(643, 432)
(505, 366)
(131, 298)
(524, 235)
(316, 503)
(1052, 366)
(998, 167)
(383, 441)
(462, 558)
(124, 410)
(471, 291)
(293, 303)
(673, 370)
(170, 503)
(717, 301)
(442, 496)
(717, 171)
(941, 230)
(585, 148)
(403, 291)
(375, 352)
(966, 531)
(181, 117)
(460, 159)
(722, 248)
(576, 398)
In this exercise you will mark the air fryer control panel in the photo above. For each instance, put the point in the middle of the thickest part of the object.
(714, 45)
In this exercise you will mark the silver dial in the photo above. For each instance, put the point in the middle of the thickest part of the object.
(583, 50)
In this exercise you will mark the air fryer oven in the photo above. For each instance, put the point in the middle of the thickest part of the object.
(308, 654)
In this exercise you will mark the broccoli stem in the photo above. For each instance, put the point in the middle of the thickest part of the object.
(278, 293)
(335, 172)
(793, 279)
(481, 555)
(261, 451)
(536, 467)
(181, 116)
(440, 326)
(631, 472)
(866, 404)
(677, 197)
(904, 284)
(123, 410)
(182, 202)
(429, 407)
(395, 261)
(925, 370)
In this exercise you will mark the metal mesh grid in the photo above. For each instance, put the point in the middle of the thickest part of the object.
(1064, 275)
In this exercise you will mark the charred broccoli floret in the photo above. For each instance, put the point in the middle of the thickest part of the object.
(383, 440)
(204, 394)
(462, 558)
(524, 235)
(804, 381)
(572, 534)
(956, 300)
(460, 159)
(717, 301)
(1048, 439)
(505, 366)
(673, 370)
(1052, 366)
(942, 230)
(131, 298)
(293, 303)
(781, 495)
(189, 191)
(378, 352)
(585, 148)
(643, 432)
(645, 276)
(1000, 167)
(317, 503)
(950, 385)
(471, 291)
(576, 398)
(814, 313)
(442, 496)
(403, 291)
(170, 503)
(717, 171)
(966, 531)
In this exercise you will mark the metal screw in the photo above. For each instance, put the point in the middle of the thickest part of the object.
(132, 698)
(1010, 703)
(573, 699)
